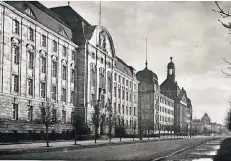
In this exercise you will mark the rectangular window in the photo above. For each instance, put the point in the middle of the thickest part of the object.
(123, 109)
(126, 110)
(134, 111)
(119, 93)
(44, 41)
(53, 92)
(126, 82)
(63, 95)
(30, 34)
(119, 79)
(63, 116)
(130, 97)
(43, 90)
(15, 111)
(30, 113)
(123, 94)
(31, 60)
(54, 69)
(130, 84)
(30, 86)
(73, 55)
(16, 27)
(119, 108)
(126, 96)
(64, 51)
(43, 64)
(15, 51)
(64, 73)
(72, 75)
(55, 46)
(115, 91)
(130, 110)
(114, 107)
(115, 76)
(123, 80)
(72, 96)
(16, 83)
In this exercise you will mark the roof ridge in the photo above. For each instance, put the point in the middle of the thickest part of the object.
(57, 18)
(85, 21)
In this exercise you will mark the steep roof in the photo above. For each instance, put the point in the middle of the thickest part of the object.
(123, 67)
(43, 15)
(147, 75)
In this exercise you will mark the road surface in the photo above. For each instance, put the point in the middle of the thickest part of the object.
(136, 151)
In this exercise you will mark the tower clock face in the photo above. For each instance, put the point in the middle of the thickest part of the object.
(170, 71)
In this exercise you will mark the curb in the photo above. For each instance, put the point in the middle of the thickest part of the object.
(182, 150)
(73, 147)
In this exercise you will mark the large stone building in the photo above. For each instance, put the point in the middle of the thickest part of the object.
(182, 104)
(101, 74)
(156, 110)
(37, 65)
(205, 126)
(55, 56)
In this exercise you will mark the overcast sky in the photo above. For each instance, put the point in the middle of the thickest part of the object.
(187, 31)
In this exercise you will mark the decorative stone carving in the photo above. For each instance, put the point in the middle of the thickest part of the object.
(15, 41)
(43, 52)
(54, 58)
(93, 66)
(72, 66)
(30, 48)
(109, 74)
(64, 62)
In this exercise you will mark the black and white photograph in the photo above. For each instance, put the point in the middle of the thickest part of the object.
(115, 80)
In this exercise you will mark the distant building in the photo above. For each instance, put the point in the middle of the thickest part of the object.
(156, 110)
(205, 126)
(182, 104)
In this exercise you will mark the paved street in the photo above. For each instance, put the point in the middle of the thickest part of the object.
(204, 152)
(136, 151)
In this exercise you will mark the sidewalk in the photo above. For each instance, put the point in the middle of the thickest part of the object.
(69, 145)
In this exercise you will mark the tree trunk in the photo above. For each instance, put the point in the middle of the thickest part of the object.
(120, 134)
(134, 135)
(96, 129)
(75, 136)
(148, 134)
(47, 136)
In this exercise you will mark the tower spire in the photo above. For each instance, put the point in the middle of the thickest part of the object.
(99, 12)
(171, 59)
(68, 3)
(146, 63)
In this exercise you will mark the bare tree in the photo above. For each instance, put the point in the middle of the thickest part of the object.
(96, 118)
(228, 120)
(47, 116)
(224, 14)
(134, 129)
(77, 122)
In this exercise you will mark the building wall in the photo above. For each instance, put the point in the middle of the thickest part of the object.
(9, 68)
(104, 61)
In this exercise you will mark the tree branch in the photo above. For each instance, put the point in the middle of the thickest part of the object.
(221, 11)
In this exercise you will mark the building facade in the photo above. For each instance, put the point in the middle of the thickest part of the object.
(37, 65)
(102, 76)
(205, 126)
(156, 110)
(182, 104)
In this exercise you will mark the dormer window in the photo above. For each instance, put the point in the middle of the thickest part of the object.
(62, 32)
(28, 11)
